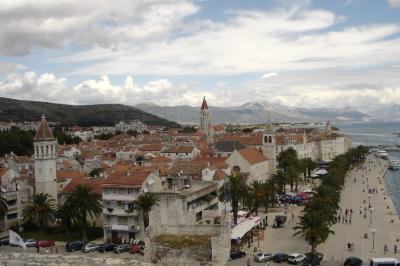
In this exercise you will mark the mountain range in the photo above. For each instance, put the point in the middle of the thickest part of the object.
(82, 115)
(258, 112)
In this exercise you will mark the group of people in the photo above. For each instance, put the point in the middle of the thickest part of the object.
(346, 217)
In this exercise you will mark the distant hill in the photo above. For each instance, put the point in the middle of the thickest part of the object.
(82, 115)
(254, 113)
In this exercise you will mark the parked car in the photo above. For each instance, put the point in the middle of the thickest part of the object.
(45, 243)
(74, 245)
(312, 260)
(30, 243)
(236, 254)
(136, 249)
(4, 241)
(296, 258)
(139, 242)
(280, 257)
(106, 247)
(121, 248)
(90, 247)
(353, 261)
(262, 257)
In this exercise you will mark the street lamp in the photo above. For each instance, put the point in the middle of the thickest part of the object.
(373, 231)
(370, 216)
(369, 201)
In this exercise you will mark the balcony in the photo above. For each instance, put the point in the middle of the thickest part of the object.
(122, 227)
(120, 197)
(120, 212)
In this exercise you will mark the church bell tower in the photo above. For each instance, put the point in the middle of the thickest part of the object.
(204, 118)
(44, 145)
(269, 144)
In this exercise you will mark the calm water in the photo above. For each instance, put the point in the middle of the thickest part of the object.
(375, 134)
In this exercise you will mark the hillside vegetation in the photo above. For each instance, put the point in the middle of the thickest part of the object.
(82, 115)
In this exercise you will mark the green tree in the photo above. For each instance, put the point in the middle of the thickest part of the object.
(85, 204)
(3, 207)
(66, 213)
(290, 165)
(40, 210)
(234, 190)
(314, 230)
(145, 202)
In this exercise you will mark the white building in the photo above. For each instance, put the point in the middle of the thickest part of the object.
(121, 215)
(181, 153)
(135, 125)
(45, 160)
(252, 162)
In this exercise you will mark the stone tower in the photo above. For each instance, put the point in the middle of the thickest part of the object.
(44, 145)
(204, 118)
(328, 127)
(269, 144)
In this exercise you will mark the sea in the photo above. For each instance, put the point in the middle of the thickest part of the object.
(375, 134)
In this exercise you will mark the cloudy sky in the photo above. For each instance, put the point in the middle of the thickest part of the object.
(317, 53)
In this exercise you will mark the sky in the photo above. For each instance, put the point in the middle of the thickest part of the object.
(299, 53)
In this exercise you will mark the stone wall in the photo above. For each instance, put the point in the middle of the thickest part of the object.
(32, 259)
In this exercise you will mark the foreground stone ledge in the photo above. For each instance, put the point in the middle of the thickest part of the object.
(29, 259)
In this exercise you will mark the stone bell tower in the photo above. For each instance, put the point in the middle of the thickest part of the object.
(44, 145)
(269, 144)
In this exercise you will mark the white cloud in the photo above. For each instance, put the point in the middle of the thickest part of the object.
(336, 87)
(250, 42)
(269, 75)
(103, 23)
(394, 3)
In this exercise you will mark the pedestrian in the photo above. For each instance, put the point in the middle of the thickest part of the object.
(395, 249)
(339, 218)
(385, 249)
(56, 249)
(51, 249)
(346, 220)
(350, 220)
(37, 249)
(248, 262)
(346, 212)
(351, 212)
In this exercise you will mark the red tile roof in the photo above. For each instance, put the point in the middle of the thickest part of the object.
(95, 184)
(44, 131)
(252, 155)
(179, 149)
(135, 179)
(204, 104)
(245, 139)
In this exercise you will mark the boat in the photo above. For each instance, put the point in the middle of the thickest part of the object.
(382, 154)
(392, 147)
(394, 164)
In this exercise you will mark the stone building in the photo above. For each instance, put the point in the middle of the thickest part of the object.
(121, 215)
(45, 160)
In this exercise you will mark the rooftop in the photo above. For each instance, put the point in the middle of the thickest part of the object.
(44, 131)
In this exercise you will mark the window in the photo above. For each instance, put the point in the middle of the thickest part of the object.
(269, 139)
(130, 190)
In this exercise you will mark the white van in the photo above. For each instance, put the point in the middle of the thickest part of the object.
(383, 262)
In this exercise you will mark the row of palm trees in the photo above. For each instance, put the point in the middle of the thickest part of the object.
(320, 212)
(80, 206)
(259, 194)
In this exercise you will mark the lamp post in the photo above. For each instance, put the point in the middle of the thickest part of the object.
(369, 201)
(370, 216)
(373, 231)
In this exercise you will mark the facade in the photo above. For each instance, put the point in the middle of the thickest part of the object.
(181, 153)
(135, 125)
(45, 160)
(268, 145)
(121, 216)
(252, 162)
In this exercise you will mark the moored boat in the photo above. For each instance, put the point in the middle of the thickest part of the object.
(394, 164)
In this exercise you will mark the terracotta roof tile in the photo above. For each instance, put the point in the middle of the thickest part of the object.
(135, 179)
(252, 155)
(44, 131)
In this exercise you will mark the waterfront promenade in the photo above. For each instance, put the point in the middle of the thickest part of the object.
(381, 218)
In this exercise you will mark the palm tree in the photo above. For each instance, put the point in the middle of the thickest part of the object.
(146, 201)
(40, 209)
(66, 213)
(234, 190)
(3, 207)
(314, 229)
(256, 196)
(84, 203)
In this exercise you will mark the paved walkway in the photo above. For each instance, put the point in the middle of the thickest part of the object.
(356, 196)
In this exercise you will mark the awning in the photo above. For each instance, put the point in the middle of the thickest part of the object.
(241, 229)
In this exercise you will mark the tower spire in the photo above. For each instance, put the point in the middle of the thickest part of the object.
(44, 131)
(204, 105)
